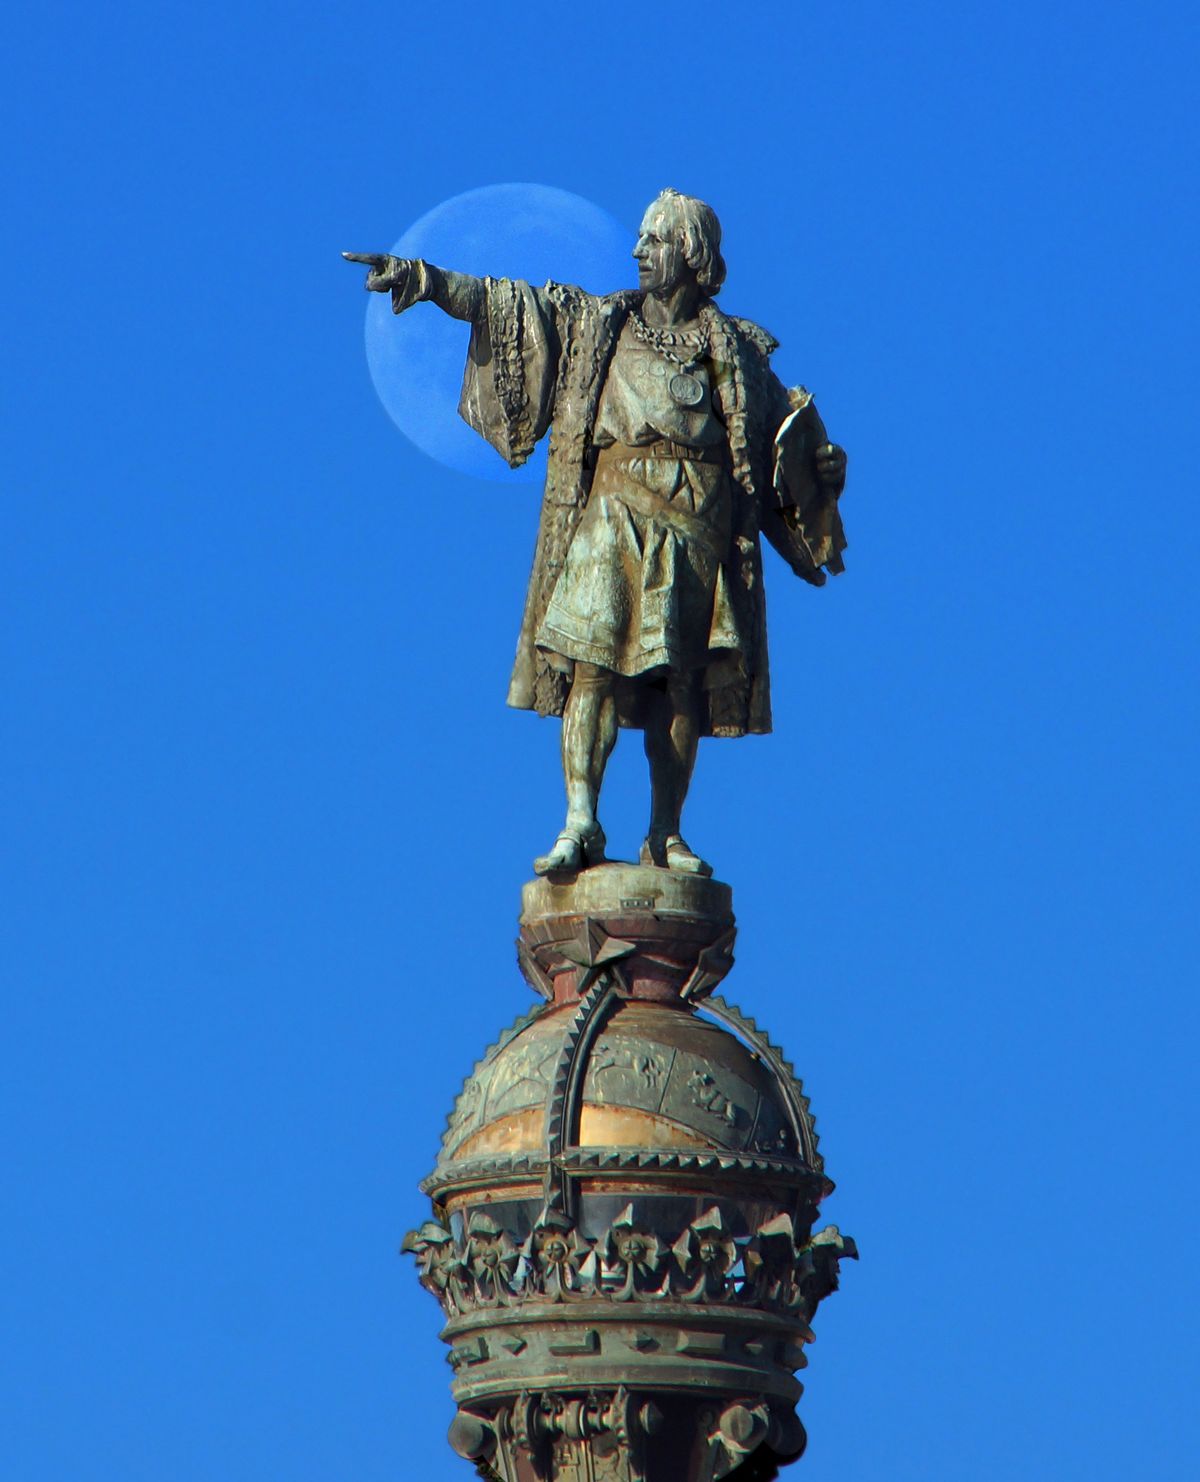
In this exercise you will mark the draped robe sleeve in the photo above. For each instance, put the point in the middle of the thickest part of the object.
(538, 356)
(512, 367)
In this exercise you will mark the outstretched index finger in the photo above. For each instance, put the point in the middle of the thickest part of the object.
(369, 259)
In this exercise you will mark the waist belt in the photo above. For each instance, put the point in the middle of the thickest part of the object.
(664, 448)
(673, 513)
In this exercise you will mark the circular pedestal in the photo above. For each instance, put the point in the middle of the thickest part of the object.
(663, 935)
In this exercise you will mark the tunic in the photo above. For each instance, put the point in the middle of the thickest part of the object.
(644, 586)
(544, 360)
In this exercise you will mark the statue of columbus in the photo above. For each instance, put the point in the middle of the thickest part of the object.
(674, 448)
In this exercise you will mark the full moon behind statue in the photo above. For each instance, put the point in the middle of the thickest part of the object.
(534, 232)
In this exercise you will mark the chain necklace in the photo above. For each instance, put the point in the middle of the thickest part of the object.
(686, 389)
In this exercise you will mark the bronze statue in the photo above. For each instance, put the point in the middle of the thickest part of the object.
(623, 1235)
(673, 446)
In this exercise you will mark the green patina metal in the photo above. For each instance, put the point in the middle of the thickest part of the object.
(623, 1236)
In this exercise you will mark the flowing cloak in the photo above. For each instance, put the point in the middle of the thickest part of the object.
(537, 361)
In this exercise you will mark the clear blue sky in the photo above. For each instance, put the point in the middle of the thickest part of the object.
(266, 815)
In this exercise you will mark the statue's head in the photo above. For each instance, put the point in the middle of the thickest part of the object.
(680, 237)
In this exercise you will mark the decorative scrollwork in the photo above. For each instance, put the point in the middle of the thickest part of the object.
(556, 1261)
(705, 1255)
(770, 1270)
(633, 1256)
(440, 1265)
(491, 1259)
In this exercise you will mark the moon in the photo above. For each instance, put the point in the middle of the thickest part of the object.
(416, 359)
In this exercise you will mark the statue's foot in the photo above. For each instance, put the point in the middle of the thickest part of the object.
(574, 850)
(672, 852)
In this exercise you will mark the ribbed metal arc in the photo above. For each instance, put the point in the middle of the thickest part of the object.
(566, 1087)
(803, 1122)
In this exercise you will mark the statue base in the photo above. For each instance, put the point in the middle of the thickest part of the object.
(623, 1238)
(662, 935)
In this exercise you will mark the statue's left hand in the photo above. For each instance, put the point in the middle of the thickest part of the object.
(831, 468)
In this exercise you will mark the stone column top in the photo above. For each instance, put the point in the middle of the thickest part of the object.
(618, 889)
(662, 934)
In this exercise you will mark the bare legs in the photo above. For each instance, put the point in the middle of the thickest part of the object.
(672, 734)
(589, 732)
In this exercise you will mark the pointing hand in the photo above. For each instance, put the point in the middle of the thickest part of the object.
(387, 272)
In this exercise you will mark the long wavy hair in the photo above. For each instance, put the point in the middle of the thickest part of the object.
(701, 232)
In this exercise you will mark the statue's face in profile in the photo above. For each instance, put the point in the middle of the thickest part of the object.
(662, 266)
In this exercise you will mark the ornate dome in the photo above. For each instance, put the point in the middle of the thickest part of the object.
(628, 1066)
(628, 1084)
(624, 1200)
